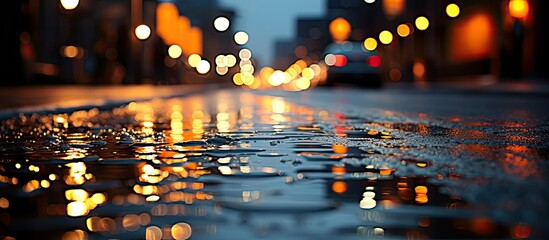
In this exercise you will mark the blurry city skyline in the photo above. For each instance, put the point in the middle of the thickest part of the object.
(269, 21)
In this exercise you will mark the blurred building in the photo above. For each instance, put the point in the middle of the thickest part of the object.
(46, 42)
(95, 41)
(478, 39)
(285, 53)
(16, 21)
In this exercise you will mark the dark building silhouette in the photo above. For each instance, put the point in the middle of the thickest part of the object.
(15, 16)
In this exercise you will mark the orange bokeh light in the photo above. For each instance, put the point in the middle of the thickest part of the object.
(339, 148)
(518, 8)
(473, 38)
(339, 187)
(338, 170)
(393, 7)
(340, 29)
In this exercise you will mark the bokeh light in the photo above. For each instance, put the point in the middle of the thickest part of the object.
(385, 37)
(419, 69)
(221, 70)
(69, 51)
(221, 60)
(422, 23)
(330, 59)
(245, 54)
(340, 60)
(369, 1)
(193, 60)
(395, 75)
(221, 24)
(518, 8)
(393, 8)
(231, 60)
(203, 67)
(142, 32)
(403, 30)
(308, 73)
(339, 187)
(241, 38)
(301, 51)
(69, 4)
(181, 231)
(153, 233)
(452, 10)
(77, 209)
(175, 51)
(370, 44)
(237, 79)
(278, 77)
(340, 29)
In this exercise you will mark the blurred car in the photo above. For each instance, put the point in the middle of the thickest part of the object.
(350, 63)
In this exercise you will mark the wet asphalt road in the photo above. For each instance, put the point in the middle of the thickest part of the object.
(320, 164)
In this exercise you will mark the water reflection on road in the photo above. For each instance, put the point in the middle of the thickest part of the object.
(241, 166)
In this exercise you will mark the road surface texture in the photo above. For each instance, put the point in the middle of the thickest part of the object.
(194, 163)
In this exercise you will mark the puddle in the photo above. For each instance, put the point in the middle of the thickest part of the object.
(235, 165)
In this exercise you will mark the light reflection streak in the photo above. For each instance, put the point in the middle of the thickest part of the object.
(77, 209)
(177, 201)
(150, 174)
(75, 235)
(153, 233)
(181, 230)
(368, 201)
(421, 194)
(176, 125)
(77, 174)
(4, 203)
(249, 196)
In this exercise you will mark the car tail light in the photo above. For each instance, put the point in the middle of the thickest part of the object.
(341, 60)
(374, 61)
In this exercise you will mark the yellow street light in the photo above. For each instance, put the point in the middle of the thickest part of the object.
(422, 23)
(452, 10)
(385, 37)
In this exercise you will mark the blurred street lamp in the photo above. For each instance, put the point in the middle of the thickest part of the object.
(519, 8)
(69, 4)
(142, 32)
(75, 54)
